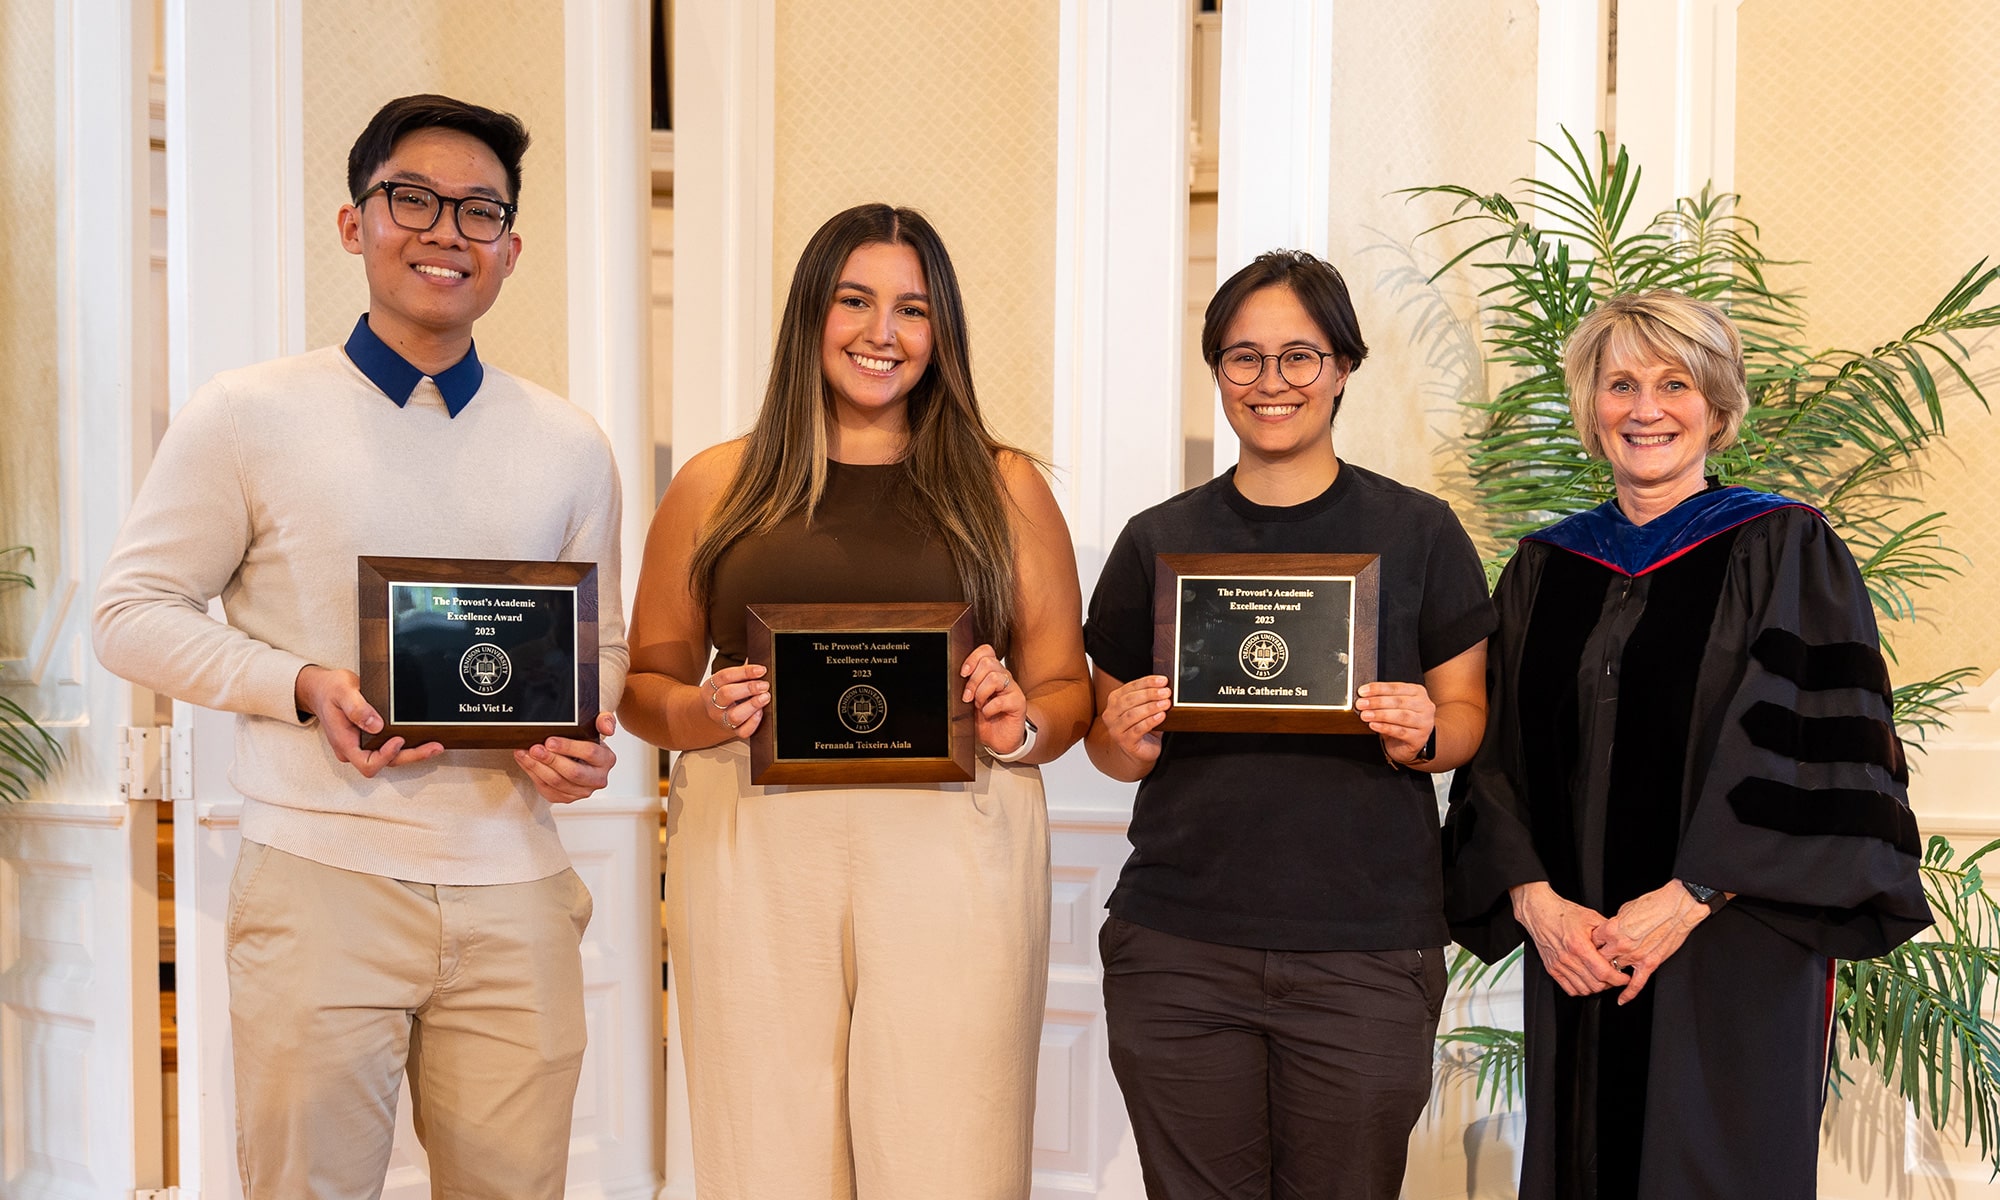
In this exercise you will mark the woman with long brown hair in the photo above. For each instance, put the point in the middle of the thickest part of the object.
(860, 970)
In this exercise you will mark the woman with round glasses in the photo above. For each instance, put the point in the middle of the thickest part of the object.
(861, 970)
(1273, 965)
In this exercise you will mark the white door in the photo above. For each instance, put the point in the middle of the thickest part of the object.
(79, 1002)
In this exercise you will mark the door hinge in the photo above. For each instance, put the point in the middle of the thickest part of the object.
(165, 1193)
(140, 774)
(180, 767)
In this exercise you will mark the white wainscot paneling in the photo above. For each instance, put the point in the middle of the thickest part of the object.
(46, 961)
(1952, 772)
(1081, 1138)
(614, 846)
(69, 1044)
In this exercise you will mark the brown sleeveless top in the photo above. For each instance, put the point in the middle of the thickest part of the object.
(867, 543)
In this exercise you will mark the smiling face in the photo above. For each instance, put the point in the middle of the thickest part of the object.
(1274, 421)
(426, 288)
(877, 342)
(1654, 424)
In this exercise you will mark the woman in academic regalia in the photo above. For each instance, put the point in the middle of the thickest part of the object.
(1690, 796)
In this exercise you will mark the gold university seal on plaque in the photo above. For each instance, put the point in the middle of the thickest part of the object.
(863, 708)
(1263, 654)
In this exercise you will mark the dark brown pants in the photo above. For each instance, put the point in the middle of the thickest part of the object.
(1265, 1074)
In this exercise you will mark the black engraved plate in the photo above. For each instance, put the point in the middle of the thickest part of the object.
(1265, 642)
(481, 654)
(863, 695)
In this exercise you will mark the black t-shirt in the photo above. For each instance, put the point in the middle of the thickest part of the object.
(1293, 841)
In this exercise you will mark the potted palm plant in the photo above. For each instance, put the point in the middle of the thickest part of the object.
(1840, 429)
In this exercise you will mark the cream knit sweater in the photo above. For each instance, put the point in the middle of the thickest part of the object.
(268, 485)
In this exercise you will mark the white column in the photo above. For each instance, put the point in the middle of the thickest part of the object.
(235, 295)
(723, 145)
(613, 838)
(1121, 252)
(235, 187)
(607, 79)
(1277, 133)
(724, 77)
(102, 265)
(1677, 96)
(1569, 75)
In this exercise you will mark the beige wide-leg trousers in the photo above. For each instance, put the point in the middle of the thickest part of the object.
(338, 980)
(861, 974)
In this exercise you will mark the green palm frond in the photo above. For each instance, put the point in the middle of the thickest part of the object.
(27, 752)
(1921, 706)
(1838, 429)
(1494, 1057)
(1466, 972)
(1918, 1014)
(16, 578)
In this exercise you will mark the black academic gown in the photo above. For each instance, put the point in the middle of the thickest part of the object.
(1701, 698)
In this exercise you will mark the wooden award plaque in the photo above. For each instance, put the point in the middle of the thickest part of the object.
(1265, 643)
(479, 654)
(862, 693)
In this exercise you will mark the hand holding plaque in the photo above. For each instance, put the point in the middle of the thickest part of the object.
(1265, 643)
(479, 653)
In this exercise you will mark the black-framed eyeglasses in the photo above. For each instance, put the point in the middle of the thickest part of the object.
(415, 207)
(1298, 365)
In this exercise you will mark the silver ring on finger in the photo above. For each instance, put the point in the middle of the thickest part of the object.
(715, 699)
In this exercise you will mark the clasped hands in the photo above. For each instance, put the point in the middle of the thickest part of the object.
(563, 770)
(1586, 952)
(737, 697)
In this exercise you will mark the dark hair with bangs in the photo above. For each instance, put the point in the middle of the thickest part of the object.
(1320, 290)
(951, 455)
(503, 134)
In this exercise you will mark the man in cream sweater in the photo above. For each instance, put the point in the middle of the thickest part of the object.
(401, 907)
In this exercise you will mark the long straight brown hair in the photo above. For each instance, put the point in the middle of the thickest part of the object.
(950, 453)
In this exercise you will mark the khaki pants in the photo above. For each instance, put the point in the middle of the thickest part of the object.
(861, 975)
(337, 980)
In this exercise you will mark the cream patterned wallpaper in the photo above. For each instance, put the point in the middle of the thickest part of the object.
(1425, 92)
(30, 510)
(949, 107)
(361, 53)
(1865, 146)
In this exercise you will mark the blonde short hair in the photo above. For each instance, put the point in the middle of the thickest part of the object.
(1665, 325)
